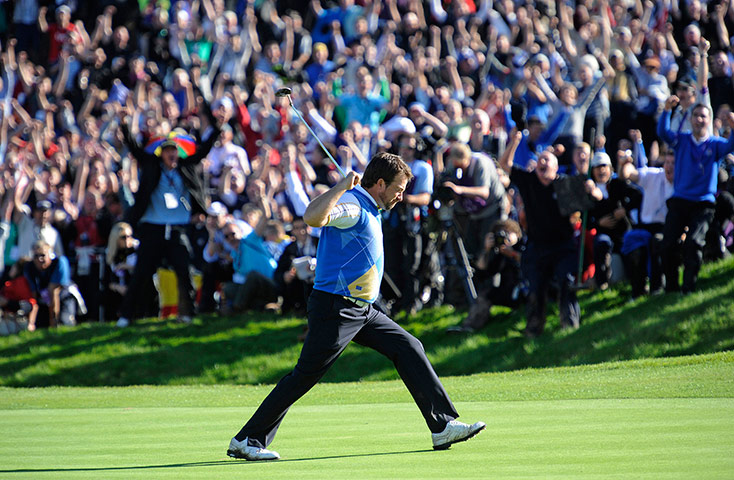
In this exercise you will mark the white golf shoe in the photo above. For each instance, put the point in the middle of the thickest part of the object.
(241, 449)
(455, 432)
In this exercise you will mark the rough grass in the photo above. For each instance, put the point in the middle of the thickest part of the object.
(261, 348)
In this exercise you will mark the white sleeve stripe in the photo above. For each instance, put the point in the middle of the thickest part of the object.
(344, 215)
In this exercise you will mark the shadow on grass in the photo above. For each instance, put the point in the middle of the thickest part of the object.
(262, 348)
(213, 463)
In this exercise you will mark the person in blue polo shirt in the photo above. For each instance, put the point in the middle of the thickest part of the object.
(697, 157)
(349, 263)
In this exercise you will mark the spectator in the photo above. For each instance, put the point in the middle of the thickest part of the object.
(120, 259)
(374, 71)
(473, 179)
(697, 156)
(217, 256)
(294, 274)
(498, 274)
(49, 278)
(550, 252)
(170, 191)
(403, 234)
(643, 249)
(611, 216)
(35, 228)
(252, 285)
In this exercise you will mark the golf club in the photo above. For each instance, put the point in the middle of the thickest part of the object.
(286, 92)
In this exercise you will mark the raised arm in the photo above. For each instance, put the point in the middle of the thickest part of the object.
(317, 212)
(508, 156)
(203, 150)
(664, 130)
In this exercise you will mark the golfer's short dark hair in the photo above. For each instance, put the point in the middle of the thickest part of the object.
(384, 166)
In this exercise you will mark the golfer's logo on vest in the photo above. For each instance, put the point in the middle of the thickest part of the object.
(364, 286)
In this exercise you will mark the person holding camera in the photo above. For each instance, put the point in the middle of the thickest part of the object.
(403, 228)
(497, 275)
(478, 191)
(294, 275)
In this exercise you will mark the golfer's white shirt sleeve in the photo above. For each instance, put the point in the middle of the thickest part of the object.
(345, 213)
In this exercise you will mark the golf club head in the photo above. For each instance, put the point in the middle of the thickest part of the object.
(283, 92)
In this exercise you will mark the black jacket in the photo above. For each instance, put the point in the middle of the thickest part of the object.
(190, 169)
(621, 194)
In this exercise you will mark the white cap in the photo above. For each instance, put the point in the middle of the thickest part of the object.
(216, 209)
(600, 158)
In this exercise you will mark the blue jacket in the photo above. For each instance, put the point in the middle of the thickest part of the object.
(696, 163)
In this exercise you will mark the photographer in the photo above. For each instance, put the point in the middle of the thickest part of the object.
(294, 274)
(403, 236)
(497, 276)
(479, 194)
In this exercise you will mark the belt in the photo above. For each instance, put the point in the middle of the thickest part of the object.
(357, 302)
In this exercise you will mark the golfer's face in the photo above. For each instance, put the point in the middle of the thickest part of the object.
(394, 192)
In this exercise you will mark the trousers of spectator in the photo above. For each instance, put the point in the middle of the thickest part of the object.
(541, 264)
(333, 322)
(603, 246)
(213, 274)
(155, 246)
(724, 211)
(254, 294)
(642, 263)
(697, 216)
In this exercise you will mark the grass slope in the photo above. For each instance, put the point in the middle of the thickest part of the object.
(661, 418)
(260, 348)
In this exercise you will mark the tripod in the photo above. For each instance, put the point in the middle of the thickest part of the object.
(456, 257)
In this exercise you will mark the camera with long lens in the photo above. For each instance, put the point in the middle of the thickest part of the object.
(443, 203)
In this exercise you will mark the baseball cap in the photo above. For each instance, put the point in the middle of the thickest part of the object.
(216, 209)
(63, 9)
(600, 158)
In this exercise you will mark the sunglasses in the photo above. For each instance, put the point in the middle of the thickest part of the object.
(229, 235)
(39, 256)
(125, 237)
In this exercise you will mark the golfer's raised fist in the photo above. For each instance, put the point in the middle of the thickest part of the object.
(350, 181)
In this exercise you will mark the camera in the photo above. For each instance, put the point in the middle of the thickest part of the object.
(500, 238)
(443, 203)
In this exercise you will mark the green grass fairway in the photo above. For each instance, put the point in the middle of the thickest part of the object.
(669, 418)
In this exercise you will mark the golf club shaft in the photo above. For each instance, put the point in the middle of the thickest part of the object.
(316, 137)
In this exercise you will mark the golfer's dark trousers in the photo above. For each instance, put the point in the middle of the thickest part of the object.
(697, 216)
(333, 322)
(156, 245)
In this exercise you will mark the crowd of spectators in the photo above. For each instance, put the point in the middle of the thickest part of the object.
(502, 109)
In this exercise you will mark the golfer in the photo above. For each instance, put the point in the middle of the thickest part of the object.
(348, 274)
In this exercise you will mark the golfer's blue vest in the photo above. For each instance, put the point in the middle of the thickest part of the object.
(350, 261)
